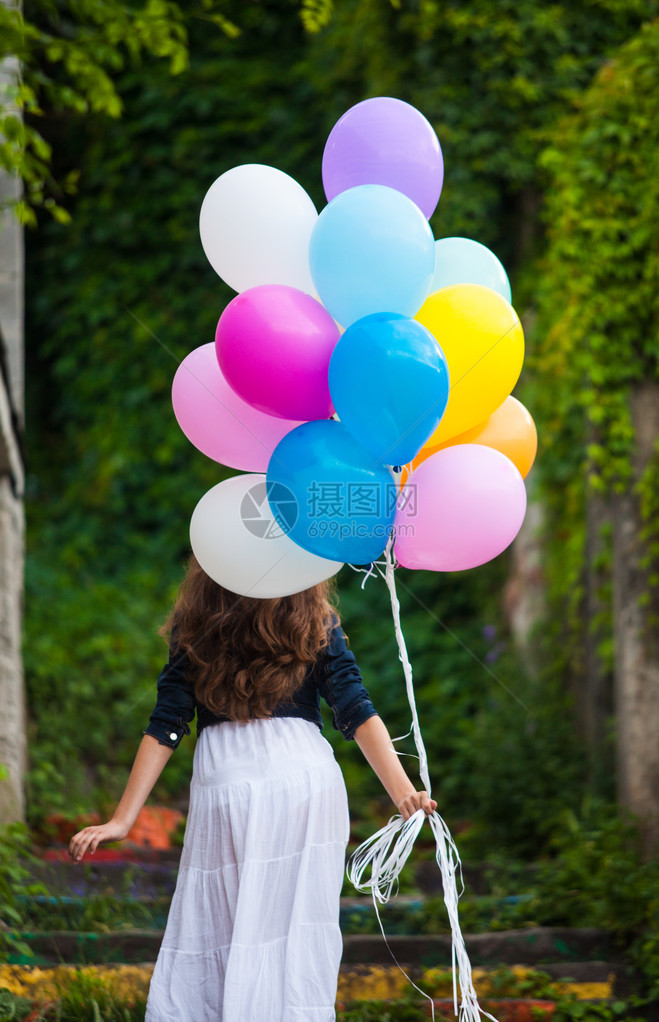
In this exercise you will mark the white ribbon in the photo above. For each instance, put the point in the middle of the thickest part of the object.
(386, 852)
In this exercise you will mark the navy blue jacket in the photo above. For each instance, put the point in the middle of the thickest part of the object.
(335, 676)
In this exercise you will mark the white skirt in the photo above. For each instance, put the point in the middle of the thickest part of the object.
(253, 929)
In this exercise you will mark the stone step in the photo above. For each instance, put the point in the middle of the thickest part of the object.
(155, 870)
(149, 877)
(533, 946)
(404, 915)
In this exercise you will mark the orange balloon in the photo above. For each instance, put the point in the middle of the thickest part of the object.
(510, 429)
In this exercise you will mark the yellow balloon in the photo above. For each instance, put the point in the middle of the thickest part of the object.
(483, 341)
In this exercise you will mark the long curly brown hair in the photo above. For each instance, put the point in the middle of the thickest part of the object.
(246, 655)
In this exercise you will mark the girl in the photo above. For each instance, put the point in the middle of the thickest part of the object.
(253, 929)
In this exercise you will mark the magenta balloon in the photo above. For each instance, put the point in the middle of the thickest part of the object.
(384, 141)
(218, 422)
(463, 506)
(274, 344)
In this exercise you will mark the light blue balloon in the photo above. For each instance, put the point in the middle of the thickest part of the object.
(329, 494)
(462, 261)
(389, 382)
(371, 250)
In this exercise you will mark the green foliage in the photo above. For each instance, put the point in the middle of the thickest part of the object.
(15, 883)
(71, 54)
(603, 201)
(528, 765)
(596, 336)
(595, 876)
(112, 640)
(498, 983)
(383, 1011)
(103, 912)
(504, 982)
(68, 54)
(88, 996)
(570, 1009)
(645, 951)
(14, 1008)
(316, 14)
(491, 77)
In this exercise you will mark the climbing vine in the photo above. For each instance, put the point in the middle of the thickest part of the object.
(597, 335)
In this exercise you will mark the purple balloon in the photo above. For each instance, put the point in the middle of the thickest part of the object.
(219, 423)
(460, 508)
(384, 141)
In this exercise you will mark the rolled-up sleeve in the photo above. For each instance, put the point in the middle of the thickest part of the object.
(175, 702)
(342, 687)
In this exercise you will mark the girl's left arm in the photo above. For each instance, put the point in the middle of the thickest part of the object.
(373, 739)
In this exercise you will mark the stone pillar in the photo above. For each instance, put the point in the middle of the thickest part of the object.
(13, 744)
(524, 594)
(636, 609)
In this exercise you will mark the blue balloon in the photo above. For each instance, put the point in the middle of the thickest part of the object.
(340, 501)
(371, 250)
(389, 383)
(461, 261)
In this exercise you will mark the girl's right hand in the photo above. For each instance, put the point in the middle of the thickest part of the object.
(416, 800)
(89, 839)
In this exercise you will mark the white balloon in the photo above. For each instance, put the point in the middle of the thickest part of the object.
(237, 541)
(255, 225)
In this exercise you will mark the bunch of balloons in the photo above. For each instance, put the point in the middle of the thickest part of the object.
(362, 375)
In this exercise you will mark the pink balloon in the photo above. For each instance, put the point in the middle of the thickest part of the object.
(274, 344)
(218, 422)
(460, 508)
